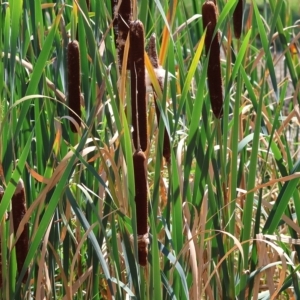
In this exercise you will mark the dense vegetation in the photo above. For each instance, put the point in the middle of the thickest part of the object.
(184, 199)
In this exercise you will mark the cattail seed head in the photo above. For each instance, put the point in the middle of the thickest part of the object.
(124, 19)
(74, 83)
(152, 52)
(138, 86)
(141, 202)
(238, 19)
(18, 212)
(160, 73)
(209, 18)
(143, 251)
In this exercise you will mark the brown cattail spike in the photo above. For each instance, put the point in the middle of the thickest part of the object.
(209, 18)
(124, 19)
(152, 52)
(18, 212)
(238, 19)
(138, 86)
(74, 83)
(140, 179)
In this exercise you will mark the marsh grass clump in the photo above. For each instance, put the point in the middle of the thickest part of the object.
(138, 86)
(124, 19)
(74, 95)
(18, 212)
(238, 19)
(212, 47)
(219, 220)
(141, 202)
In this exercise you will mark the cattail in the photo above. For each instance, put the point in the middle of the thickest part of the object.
(209, 18)
(160, 73)
(138, 86)
(141, 203)
(124, 19)
(238, 19)
(18, 212)
(152, 52)
(74, 83)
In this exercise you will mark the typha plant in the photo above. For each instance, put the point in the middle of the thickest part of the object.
(74, 95)
(138, 86)
(238, 19)
(18, 204)
(152, 51)
(124, 19)
(160, 73)
(140, 179)
(212, 47)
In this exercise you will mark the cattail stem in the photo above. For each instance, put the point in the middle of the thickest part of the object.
(18, 212)
(141, 202)
(124, 19)
(209, 18)
(74, 93)
(238, 19)
(138, 86)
